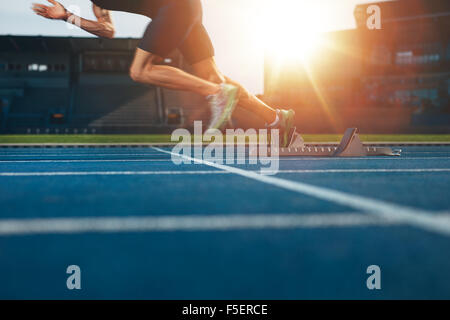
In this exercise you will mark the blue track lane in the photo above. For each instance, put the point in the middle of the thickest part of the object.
(306, 262)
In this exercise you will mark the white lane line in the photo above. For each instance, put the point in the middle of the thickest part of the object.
(87, 161)
(427, 152)
(366, 170)
(203, 172)
(359, 159)
(10, 227)
(37, 226)
(20, 227)
(80, 154)
(107, 173)
(387, 210)
(306, 158)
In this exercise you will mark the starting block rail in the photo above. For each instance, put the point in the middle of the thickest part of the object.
(350, 146)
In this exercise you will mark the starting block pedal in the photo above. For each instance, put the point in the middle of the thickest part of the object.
(350, 146)
(297, 140)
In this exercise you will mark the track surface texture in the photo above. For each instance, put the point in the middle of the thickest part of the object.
(141, 227)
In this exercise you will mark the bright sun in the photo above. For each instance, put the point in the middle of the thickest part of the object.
(290, 29)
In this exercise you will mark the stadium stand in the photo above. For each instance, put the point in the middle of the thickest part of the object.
(66, 85)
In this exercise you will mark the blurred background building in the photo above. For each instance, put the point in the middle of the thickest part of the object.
(395, 79)
(383, 81)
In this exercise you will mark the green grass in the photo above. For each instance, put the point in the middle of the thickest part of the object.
(382, 137)
(166, 138)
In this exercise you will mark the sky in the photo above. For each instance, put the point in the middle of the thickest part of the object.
(241, 30)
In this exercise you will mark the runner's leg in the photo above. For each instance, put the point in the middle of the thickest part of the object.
(208, 70)
(143, 70)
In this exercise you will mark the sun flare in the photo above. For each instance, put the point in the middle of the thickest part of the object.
(290, 30)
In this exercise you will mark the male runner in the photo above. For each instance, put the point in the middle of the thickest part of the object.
(177, 24)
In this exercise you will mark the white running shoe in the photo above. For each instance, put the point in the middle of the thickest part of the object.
(222, 105)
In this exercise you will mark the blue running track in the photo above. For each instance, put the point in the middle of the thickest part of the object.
(141, 227)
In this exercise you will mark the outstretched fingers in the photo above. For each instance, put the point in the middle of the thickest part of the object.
(39, 9)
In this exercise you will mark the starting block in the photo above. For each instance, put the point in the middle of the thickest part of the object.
(350, 146)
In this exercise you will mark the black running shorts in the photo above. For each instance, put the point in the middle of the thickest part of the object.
(176, 24)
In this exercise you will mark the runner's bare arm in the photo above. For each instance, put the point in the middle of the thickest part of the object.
(103, 27)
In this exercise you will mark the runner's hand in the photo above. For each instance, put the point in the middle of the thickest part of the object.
(55, 11)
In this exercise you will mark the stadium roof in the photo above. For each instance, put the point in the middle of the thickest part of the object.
(11, 43)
